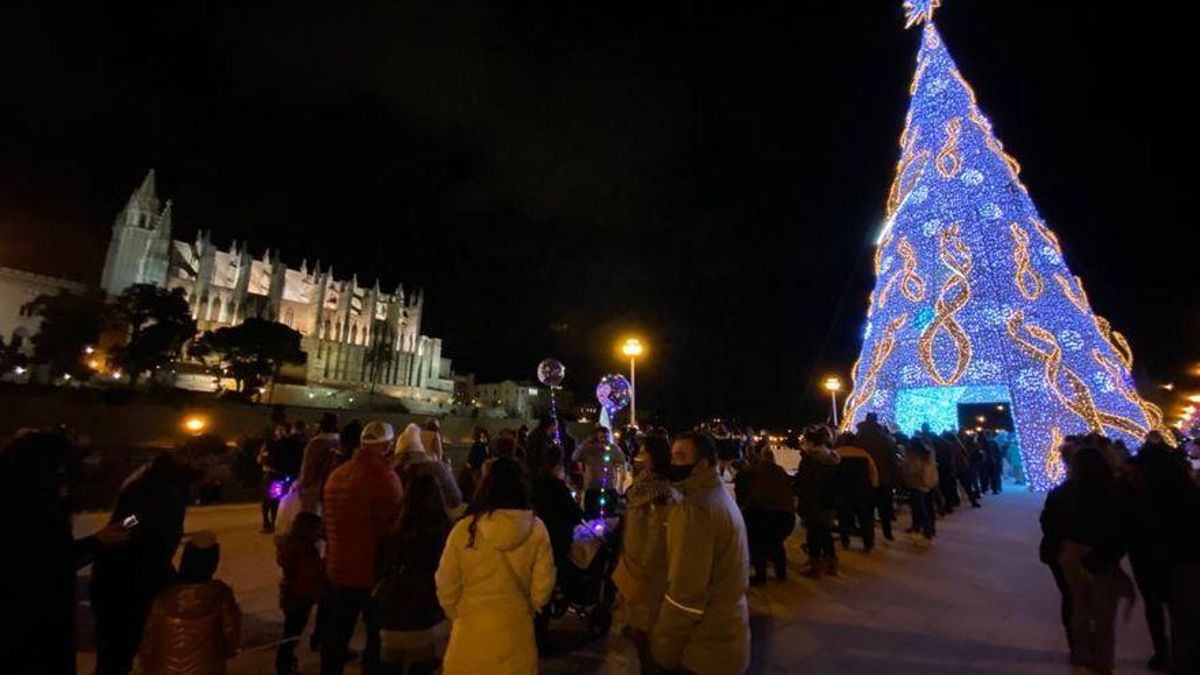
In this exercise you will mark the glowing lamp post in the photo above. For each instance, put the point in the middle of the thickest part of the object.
(632, 348)
(195, 424)
(833, 385)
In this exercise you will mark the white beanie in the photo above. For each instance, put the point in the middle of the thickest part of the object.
(377, 432)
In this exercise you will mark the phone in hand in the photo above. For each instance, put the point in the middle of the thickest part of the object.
(130, 522)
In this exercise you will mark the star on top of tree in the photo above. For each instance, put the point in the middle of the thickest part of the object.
(919, 11)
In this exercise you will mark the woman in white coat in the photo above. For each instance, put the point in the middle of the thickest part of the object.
(496, 571)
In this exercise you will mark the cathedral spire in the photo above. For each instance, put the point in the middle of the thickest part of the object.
(146, 195)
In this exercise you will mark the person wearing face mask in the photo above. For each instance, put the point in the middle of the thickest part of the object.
(703, 622)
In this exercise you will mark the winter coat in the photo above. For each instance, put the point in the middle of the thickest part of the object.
(192, 629)
(491, 607)
(1093, 521)
(406, 597)
(767, 488)
(642, 571)
(411, 464)
(882, 447)
(853, 480)
(320, 455)
(814, 484)
(558, 511)
(703, 622)
(362, 498)
(919, 471)
(303, 579)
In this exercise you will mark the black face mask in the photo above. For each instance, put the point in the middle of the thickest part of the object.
(677, 472)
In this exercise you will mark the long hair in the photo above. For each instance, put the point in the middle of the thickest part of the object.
(423, 515)
(659, 449)
(1089, 474)
(503, 487)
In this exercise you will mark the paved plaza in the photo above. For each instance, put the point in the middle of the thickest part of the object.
(977, 601)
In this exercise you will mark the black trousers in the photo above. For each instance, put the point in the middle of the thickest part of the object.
(119, 608)
(1064, 608)
(858, 515)
(344, 605)
(765, 533)
(922, 511)
(885, 505)
(270, 505)
(820, 538)
(294, 621)
(1153, 576)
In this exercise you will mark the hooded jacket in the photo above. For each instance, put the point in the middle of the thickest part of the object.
(319, 457)
(362, 498)
(490, 602)
(703, 623)
(643, 581)
(191, 630)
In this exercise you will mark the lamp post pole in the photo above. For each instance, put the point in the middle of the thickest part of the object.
(632, 348)
(633, 391)
(833, 384)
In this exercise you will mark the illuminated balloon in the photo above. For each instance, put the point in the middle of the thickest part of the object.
(551, 372)
(613, 393)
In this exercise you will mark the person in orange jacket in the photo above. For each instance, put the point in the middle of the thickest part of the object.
(362, 499)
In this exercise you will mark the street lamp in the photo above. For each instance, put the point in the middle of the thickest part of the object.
(632, 348)
(833, 385)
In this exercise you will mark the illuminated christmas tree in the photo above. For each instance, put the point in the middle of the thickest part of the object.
(973, 302)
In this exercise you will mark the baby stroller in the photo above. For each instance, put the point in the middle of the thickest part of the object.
(587, 590)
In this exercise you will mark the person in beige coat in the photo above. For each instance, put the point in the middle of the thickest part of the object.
(641, 574)
(496, 571)
(703, 623)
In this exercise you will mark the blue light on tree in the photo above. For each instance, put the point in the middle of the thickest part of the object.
(973, 301)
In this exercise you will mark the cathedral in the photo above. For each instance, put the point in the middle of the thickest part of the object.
(355, 336)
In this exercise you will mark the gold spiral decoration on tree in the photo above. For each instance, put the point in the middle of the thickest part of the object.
(879, 356)
(1046, 234)
(1115, 340)
(906, 175)
(911, 285)
(1074, 294)
(955, 294)
(1043, 346)
(1052, 464)
(916, 81)
(1028, 281)
(884, 292)
(949, 158)
(1153, 413)
(993, 143)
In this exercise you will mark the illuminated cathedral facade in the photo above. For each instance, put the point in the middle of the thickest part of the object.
(355, 336)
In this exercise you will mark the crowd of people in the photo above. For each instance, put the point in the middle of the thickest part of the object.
(456, 571)
(1114, 505)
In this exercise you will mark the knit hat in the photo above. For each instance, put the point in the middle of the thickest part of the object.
(377, 432)
(410, 440)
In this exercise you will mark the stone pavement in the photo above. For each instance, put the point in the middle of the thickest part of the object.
(977, 601)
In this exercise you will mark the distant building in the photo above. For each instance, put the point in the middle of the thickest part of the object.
(355, 336)
(517, 399)
(19, 288)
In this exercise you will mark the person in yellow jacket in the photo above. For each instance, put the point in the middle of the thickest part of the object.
(703, 622)
(496, 571)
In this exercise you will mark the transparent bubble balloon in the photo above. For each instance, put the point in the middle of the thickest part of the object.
(551, 372)
(613, 393)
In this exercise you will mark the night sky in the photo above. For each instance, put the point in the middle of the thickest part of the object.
(557, 174)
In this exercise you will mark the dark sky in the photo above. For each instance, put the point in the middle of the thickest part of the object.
(554, 174)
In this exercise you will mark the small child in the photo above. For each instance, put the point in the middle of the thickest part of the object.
(303, 583)
(195, 624)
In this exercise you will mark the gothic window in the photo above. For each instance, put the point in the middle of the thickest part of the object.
(354, 334)
(289, 317)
